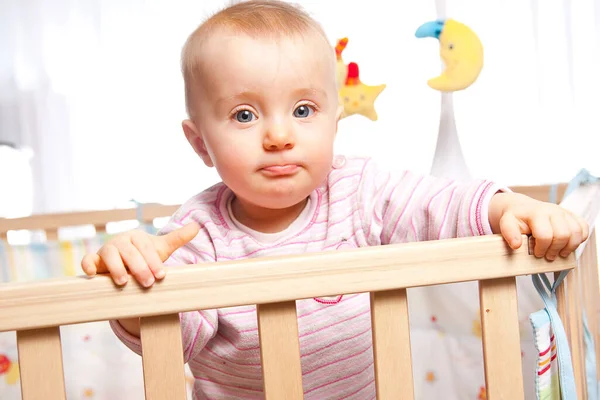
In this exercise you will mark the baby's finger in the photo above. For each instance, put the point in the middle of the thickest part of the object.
(585, 228)
(168, 243)
(560, 235)
(509, 227)
(541, 229)
(90, 264)
(111, 262)
(146, 248)
(136, 264)
(576, 236)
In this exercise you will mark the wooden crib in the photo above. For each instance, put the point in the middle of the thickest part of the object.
(273, 284)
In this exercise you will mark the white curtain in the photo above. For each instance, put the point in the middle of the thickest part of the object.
(94, 89)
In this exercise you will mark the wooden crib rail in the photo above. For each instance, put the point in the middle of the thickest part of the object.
(50, 223)
(33, 309)
(263, 280)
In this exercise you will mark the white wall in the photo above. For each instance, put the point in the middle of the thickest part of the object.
(530, 118)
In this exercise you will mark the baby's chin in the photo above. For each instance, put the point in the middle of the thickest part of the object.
(280, 193)
(281, 200)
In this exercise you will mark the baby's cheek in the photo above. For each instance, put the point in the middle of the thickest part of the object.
(236, 156)
(320, 152)
(233, 167)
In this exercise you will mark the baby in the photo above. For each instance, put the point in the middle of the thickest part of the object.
(261, 95)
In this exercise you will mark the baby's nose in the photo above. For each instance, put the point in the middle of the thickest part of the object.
(278, 138)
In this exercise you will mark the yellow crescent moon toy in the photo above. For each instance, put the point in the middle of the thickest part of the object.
(460, 49)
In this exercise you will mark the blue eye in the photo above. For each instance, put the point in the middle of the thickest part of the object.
(303, 111)
(244, 116)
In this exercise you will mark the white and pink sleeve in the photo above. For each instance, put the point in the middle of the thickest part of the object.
(404, 206)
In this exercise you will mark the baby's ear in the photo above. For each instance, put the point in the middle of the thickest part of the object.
(339, 112)
(194, 137)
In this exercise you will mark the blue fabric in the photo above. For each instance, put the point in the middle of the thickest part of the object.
(538, 320)
(590, 361)
(553, 197)
(583, 177)
(563, 353)
(148, 228)
(548, 295)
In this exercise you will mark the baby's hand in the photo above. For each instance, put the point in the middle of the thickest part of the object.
(556, 230)
(143, 254)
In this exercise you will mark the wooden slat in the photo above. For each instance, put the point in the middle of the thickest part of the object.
(561, 303)
(162, 357)
(60, 220)
(41, 364)
(391, 345)
(280, 351)
(51, 234)
(100, 228)
(589, 291)
(585, 288)
(574, 332)
(267, 280)
(579, 306)
(595, 291)
(501, 341)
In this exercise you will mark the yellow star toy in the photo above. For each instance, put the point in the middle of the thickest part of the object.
(358, 98)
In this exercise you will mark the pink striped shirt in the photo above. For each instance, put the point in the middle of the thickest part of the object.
(358, 205)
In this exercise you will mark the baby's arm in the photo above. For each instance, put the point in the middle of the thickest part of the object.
(406, 206)
(197, 328)
(131, 325)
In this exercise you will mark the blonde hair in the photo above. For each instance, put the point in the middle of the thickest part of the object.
(255, 18)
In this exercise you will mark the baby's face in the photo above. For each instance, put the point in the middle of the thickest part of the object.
(267, 112)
